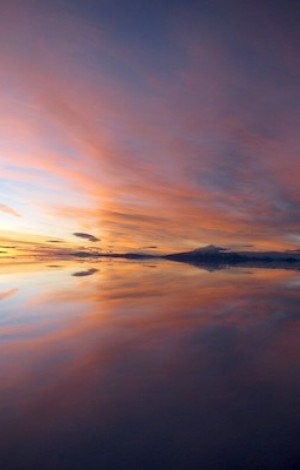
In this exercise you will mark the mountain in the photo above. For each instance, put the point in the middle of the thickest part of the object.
(215, 255)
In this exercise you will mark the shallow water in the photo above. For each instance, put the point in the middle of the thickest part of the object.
(148, 365)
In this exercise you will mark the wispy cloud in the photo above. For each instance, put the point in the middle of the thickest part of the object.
(9, 210)
(194, 145)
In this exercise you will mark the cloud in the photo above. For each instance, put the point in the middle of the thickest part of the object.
(86, 236)
(175, 152)
(9, 210)
(210, 249)
(239, 246)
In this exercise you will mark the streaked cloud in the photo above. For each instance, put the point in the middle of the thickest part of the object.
(9, 210)
(184, 135)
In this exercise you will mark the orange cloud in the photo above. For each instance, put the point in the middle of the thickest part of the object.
(136, 153)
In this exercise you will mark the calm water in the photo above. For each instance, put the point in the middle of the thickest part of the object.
(126, 365)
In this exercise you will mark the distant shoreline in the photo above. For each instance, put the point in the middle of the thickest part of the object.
(210, 257)
(214, 257)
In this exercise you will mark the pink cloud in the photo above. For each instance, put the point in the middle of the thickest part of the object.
(187, 157)
(9, 210)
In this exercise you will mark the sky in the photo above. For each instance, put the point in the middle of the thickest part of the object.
(151, 126)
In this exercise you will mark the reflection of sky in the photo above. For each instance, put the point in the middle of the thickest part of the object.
(33, 308)
(173, 124)
(136, 367)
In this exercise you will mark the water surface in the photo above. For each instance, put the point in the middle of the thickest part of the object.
(148, 365)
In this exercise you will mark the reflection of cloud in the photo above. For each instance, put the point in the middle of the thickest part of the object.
(89, 272)
(209, 347)
(7, 294)
(87, 236)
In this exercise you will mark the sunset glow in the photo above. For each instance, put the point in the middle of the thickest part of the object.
(174, 127)
(149, 234)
